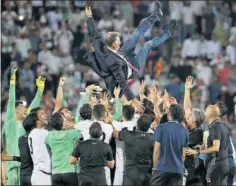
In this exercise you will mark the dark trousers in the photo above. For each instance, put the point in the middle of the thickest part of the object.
(137, 175)
(25, 180)
(218, 174)
(166, 179)
(231, 175)
(66, 179)
(92, 179)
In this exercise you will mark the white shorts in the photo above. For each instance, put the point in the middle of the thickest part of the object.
(40, 178)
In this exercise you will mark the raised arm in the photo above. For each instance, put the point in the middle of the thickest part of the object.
(59, 98)
(40, 83)
(10, 114)
(97, 40)
(83, 100)
(187, 100)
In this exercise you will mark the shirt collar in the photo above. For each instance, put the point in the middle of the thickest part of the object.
(213, 123)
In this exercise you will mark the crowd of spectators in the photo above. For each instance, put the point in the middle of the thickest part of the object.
(49, 38)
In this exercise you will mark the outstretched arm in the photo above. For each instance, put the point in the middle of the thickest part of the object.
(118, 112)
(10, 114)
(59, 98)
(188, 86)
(40, 82)
(95, 35)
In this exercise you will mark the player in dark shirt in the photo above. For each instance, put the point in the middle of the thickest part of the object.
(138, 149)
(232, 169)
(94, 155)
(26, 166)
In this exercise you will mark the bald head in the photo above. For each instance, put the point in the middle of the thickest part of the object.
(212, 113)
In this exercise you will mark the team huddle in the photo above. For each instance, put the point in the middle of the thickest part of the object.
(114, 137)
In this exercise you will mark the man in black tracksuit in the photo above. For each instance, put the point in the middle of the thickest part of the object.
(27, 165)
(138, 148)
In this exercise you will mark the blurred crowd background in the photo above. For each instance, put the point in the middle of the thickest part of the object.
(49, 38)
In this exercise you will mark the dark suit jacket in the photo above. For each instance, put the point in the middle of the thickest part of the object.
(106, 63)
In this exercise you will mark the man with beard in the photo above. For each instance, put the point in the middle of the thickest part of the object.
(42, 163)
(13, 129)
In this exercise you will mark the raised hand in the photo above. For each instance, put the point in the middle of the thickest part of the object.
(62, 81)
(142, 87)
(152, 93)
(117, 92)
(104, 100)
(88, 11)
(137, 105)
(40, 82)
(13, 74)
(189, 82)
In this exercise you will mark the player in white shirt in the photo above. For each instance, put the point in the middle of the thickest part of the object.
(42, 163)
(99, 114)
(129, 122)
(84, 125)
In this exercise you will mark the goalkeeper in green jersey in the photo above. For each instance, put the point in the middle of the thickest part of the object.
(13, 129)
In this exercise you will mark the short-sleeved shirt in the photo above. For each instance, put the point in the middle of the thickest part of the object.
(84, 126)
(217, 132)
(26, 166)
(173, 137)
(93, 155)
(138, 147)
(61, 144)
(38, 150)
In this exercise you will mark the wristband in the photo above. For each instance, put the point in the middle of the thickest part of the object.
(16, 158)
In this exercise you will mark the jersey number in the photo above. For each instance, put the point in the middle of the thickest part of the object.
(31, 146)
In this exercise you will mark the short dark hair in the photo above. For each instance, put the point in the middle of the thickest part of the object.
(60, 110)
(19, 102)
(86, 111)
(144, 123)
(128, 112)
(149, 111)
(95, 130)
(35, 110)
(99, 111)
(148, 103)
(111, 38)
(222, 107)
(57, 121)
(176, 112)
(30, 122)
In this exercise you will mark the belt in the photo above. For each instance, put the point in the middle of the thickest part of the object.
(48, 173)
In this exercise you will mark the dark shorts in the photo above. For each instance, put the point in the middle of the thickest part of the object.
(165, 178)
(69, 179)
(91, 179)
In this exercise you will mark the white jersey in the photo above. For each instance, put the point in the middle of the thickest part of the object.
(84, 126)
(38, 150)
(120, 150)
